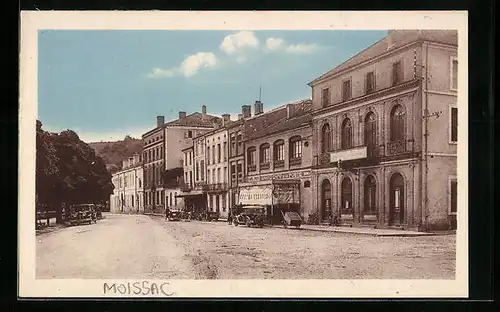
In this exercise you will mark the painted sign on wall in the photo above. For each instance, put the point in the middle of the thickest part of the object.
(349, 154)
(264, 195)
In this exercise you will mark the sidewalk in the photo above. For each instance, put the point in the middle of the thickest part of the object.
(359, 230)
(348, 230)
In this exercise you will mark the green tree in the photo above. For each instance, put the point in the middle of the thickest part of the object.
(68, 171)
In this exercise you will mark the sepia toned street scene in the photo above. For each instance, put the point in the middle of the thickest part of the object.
(278, 155)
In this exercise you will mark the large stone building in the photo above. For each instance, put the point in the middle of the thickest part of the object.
(385, 134)
(278, 158)
(127, 195)
(162, 153)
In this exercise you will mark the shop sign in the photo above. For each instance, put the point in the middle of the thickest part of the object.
(279, 176)
(349, 154)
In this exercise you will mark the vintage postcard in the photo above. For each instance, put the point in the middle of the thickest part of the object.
(243, 154)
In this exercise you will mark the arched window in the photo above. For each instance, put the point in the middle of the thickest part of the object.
(251, 155)
(279, 153)
(264, 154)
(398, 118)
(251, 161)
(295, 147)
(346, 134)
(346, 196)
(370, 132)
(370, 192)
(326, 139)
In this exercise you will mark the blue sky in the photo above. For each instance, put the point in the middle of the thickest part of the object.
(107, 84)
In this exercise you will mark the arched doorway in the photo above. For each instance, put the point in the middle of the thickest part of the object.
(370, 207)
(397, 196)
(346, 197)
(326, 199)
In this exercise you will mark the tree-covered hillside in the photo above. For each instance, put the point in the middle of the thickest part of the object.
(113, 153)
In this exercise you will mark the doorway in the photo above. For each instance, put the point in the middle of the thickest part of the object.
(397, 196)
(326, 200)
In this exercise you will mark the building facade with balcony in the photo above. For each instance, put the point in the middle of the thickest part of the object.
(278, 159)
(217, 169)
(127, 195)
(385, 134)
(163, 151)
(236, 158)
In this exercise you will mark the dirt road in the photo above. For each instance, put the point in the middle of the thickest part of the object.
(137, 246)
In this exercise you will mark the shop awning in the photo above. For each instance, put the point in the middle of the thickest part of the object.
(271, 194)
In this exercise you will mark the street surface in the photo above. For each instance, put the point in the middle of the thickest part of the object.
(144, 247)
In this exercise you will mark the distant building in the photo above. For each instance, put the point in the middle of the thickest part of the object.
(382, 157)
(127, 196)
(162, 152)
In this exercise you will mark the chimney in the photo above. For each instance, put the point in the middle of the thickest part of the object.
(288, 110)
(240, 116)
(182, 115)
(258, 108)
(203, 111)
(225, 119)
(160, 120)
(390, 43)
(246, 111)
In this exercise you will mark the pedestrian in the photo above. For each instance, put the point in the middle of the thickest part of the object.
(167, 213)
(229, 217)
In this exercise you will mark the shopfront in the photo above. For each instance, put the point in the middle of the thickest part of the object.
(276, 196)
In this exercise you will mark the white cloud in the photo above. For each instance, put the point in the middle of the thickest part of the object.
(274, 43)
(193, 63)
(189, 67)
(162, 73)
(236, 42)
(301, 48)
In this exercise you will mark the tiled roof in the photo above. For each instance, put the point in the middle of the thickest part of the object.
(396, 39)
(300, 114)
(196, 120)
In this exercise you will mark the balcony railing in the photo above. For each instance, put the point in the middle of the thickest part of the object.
(264, 166)
(279, 163)
(251, 168)
(215, 187)
(186, 187)
(295, 161)
(396, 147)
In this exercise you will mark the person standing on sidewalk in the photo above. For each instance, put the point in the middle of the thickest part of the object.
(167, 213)
(229, 217)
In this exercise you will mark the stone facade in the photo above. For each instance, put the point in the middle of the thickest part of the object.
(406, 149)
(127, 196)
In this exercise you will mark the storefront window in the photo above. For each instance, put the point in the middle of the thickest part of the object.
(346, 196)
(370, 192)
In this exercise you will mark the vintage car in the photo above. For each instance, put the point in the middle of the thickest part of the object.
(250, 216)
(174, 216)
(212, 216)
(80, 214)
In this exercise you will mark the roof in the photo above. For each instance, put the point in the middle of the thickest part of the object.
(195, 120)
(395, 39)
(300, 114)
(191, 120)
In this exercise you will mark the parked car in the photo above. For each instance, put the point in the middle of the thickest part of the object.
(174, 216)
(250, 216)
(212, 216)
(80, 214)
